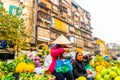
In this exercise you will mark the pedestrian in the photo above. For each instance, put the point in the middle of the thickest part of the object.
(58, 53)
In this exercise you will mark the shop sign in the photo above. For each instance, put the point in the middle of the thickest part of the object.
(43, 34)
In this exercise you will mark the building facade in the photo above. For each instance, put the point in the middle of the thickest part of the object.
(100, 47)
(55, 17)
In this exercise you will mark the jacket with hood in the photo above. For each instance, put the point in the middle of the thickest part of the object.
(79, 68)
(55, 52)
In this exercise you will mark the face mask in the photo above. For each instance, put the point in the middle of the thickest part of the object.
(65, 54)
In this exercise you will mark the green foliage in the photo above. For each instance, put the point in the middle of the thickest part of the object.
(12, 28)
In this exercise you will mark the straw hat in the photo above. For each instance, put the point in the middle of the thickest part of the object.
(61, 40)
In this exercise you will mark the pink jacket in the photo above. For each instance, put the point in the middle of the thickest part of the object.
(54, 53)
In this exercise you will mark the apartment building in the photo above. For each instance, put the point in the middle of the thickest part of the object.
(55, 17)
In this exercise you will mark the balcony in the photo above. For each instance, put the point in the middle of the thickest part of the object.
(43, 15)
(63, 15)
(43, 5)
(86, 36)
(85, 31)
(55, 2)
(88, 44)
(79, 42)
(63, 8)
(55, 10)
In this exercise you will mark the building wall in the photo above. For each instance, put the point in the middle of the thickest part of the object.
(26, 13)
(57, 17)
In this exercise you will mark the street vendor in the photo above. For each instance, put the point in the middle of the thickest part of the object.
(59, 51)
(79, 67)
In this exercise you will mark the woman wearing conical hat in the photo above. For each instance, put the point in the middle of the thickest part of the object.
(58, 49)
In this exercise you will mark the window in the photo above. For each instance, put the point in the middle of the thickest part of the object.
(75, 5)
(72, 39)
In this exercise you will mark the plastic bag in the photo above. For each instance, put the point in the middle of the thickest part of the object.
(63, 66)
(48, 61)
(90, 70)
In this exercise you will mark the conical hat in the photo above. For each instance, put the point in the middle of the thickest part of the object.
(62, 40)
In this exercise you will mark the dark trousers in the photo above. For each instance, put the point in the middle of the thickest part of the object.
(91, 78)
(62, 76)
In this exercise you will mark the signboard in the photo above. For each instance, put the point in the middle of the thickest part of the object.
(43, 34)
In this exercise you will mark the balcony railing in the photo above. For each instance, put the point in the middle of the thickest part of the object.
(44, 16)
(63, 8)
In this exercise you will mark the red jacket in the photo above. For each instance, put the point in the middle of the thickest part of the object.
(54, 53)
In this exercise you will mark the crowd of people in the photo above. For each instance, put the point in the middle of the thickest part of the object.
(64, 67)
(65, 64)
(78, 64)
